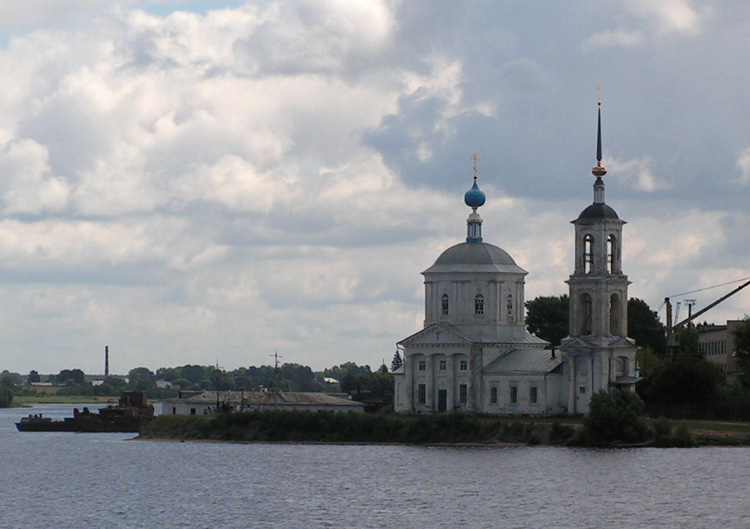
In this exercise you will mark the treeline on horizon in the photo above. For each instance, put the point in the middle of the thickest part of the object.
(352, 379)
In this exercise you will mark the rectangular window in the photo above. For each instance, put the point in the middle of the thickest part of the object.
(422, 365)
(192, 411)
(582, 390)
(421, 394)
(174, 410)
(463, 365)
(462, 393)
(533, 395)
(514, 394)
(443, 365)
(493, 395)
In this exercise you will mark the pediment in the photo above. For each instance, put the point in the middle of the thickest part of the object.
(436, 334)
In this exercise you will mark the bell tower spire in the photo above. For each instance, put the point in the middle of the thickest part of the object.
(599, 170)
(598, 354)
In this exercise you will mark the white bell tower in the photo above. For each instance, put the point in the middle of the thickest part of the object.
(598, 354)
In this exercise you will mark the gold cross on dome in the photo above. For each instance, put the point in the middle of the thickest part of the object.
(476, 159)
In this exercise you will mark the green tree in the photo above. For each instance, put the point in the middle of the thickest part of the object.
(645, 328)
(111, 386)
(688, 378)
(397, 362)
(6, 396)
(71, 377)
(142, 379)
(33, 377)
(617, 416)
(347, 368)
(547, 317)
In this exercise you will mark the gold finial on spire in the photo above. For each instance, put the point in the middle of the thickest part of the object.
(476, 159)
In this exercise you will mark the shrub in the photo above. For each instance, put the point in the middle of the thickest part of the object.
(616, 417)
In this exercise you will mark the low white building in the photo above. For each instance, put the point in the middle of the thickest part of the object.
(209, 401)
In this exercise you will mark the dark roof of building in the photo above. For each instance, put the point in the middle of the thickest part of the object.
(475, 257)
(529, 361)
(267, 397)
(598, 211)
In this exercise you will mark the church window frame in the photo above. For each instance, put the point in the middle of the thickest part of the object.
(588, 253)
(445, 304)
(615, 308)
(509, 306)
(612, 254)
(463, 393)
(621, 366)
(533, 395)
(493, 394)
(513, 397)
(422, 365)
(442, 364)
(422, 394)
(479, 304)
(587, 308)
(463, 365)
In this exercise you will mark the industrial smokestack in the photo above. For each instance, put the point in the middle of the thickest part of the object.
(106, 360)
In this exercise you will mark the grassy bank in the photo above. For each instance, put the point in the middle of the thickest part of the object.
(357, 428)
(25, 401)
(306, 427)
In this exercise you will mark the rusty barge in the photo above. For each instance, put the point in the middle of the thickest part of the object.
(129, 415)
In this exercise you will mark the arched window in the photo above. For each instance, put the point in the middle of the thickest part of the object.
(588, 253)
(445, 304)
(612, 254)
(587, 314)
(614, 315)
(479, 304)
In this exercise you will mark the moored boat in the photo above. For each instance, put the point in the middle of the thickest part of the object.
(128, 416)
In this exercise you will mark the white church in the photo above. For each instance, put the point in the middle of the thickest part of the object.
(474, 353)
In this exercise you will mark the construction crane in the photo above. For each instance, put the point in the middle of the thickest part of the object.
(672, 339)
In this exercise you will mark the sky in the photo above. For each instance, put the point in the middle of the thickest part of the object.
(202, 182)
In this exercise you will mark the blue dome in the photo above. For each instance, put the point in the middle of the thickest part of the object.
(474, 197)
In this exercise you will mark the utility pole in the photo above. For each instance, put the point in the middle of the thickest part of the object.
(216, 376)
(276, 371)
(690, 303)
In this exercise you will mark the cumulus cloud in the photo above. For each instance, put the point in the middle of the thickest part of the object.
(663, 18)
(185, 185)
(614, 38)
(29, 185)
(743, 165)
(637, 173)
(670, 16)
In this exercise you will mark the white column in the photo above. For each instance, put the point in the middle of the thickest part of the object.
(429, 383)
(451, 376)
(409, 370)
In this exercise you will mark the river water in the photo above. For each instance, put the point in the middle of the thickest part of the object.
(67, 480)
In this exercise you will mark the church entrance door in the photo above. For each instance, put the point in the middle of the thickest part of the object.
(442, 400)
